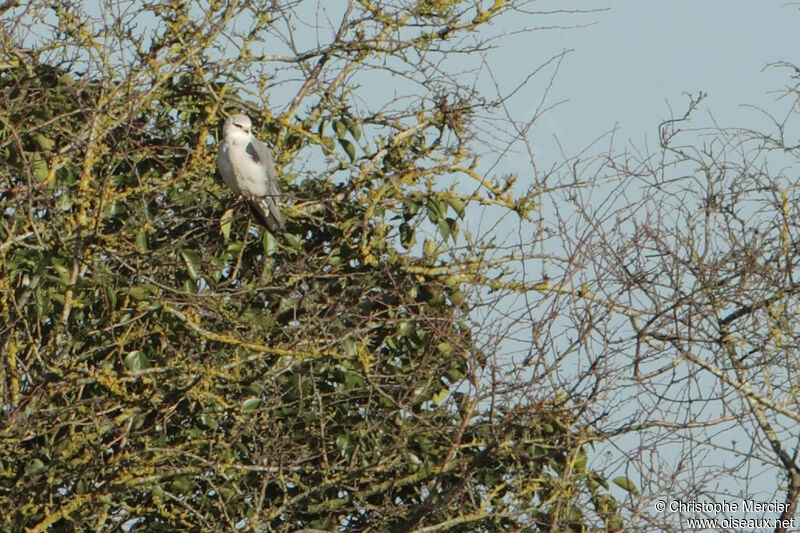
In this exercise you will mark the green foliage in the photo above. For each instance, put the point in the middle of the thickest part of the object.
(164, 363)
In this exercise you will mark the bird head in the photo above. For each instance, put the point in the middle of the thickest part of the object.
(237, 129)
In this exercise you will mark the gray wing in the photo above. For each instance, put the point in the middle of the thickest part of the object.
(226, 168)
(266, 205)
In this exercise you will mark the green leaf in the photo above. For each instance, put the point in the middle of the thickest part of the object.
(328, 145)
(192, 260)
(350, 347)
(225, 224)
(269, 243)
(136, 360)
(429, 248)
(604, 504)
(407, 236)
(292, 141)
(33, 467)
(181, 484)
(413, 460)
(410, 208)
(458, 206)
(189, 285)
(445, 348)
(64, 202)
(68, 175)
(353, 128)
(158, 493)
(142, 292)
(442, 205)
(454, 374)
(349, 148)
(596, 481)
(209, 420)
(444, 227)
(39, 165)
(353, 380)
(580, 462)
(112, 297)
(293, 240)
(251, 404)
(440, 396)
(626, 484)
(141, 242)
(614, 523)
(342, 444)
(62, 271)
(341, 128)
(434, 213)
(452, 228)
(45, 143)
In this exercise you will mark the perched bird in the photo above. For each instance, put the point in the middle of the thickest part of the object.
(246, 167)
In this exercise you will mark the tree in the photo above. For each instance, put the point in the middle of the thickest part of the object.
(168, 366)
(685, 257)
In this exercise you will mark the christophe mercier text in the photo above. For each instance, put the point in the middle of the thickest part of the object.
(726, 507)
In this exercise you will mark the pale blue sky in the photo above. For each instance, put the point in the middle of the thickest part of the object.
(638, 56)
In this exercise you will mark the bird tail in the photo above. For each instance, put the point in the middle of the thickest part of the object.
(267, 212)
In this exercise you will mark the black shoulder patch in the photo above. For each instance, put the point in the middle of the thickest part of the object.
(251, 151)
